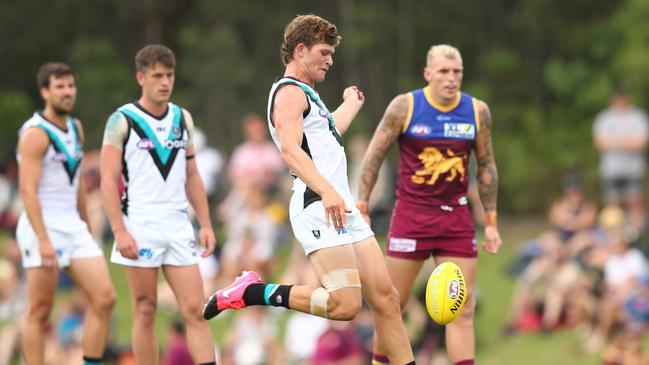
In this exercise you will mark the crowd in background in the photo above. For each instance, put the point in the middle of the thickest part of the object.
(589, 272)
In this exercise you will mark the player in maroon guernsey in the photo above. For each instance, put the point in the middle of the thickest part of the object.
(436, 127)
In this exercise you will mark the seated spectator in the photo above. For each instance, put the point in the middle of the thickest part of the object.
(625, 267)
(626, 347)
(177, 352)
(339, 345)
(572, 212)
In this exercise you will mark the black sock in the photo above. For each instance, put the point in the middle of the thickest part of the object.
(267, 294)
(87, 360)
(411, 363)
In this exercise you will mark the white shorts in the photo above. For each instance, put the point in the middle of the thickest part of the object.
(311, 231)
(160, 241)
(68, 234)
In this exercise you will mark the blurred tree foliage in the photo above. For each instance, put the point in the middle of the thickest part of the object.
(545, 67)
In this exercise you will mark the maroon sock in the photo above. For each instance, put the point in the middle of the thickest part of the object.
(379, 359)
(466, 362)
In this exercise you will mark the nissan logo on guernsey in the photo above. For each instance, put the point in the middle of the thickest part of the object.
(175, 143)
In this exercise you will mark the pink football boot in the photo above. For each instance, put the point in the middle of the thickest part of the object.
(230, 297)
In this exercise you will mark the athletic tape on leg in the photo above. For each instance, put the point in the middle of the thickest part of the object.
(319, 299)
(341, 278)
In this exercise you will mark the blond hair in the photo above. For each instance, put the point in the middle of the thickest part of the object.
(442, 50)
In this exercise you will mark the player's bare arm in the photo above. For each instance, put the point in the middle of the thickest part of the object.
(487, 178)
(111, 171)
(81, 192)
(353, 100)
(289, 105)
(387, 132)
(31, 148)
(195, 191)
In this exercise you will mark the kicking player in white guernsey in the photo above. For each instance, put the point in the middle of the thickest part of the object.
(53, 232)
(340, 245)
(148, 144)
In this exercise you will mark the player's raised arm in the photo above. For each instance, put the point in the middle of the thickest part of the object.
(353, 99)
(386, 134)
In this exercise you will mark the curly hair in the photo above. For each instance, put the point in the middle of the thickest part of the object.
(309, 30)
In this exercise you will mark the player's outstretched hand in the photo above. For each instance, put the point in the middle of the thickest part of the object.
(492, 239)
(207, 240)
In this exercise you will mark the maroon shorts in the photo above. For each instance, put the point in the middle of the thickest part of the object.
(417, 233)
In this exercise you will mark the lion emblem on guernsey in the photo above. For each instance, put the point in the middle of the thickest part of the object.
(435, 164)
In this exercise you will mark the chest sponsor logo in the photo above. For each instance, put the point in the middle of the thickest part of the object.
(175, 143)
(443, 118)
(421, 130)
(402, 244)
(459, 130)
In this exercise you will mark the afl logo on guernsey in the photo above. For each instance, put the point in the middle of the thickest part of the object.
(62, 157)
(323, 113)
(421, 130)
(145, 144)
(59, 157)
(459, 130)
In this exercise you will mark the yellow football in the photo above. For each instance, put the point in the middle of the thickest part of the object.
(445, 293)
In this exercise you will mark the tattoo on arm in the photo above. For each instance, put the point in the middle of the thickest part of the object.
(116, 130)
(487, 171)
(387, 132)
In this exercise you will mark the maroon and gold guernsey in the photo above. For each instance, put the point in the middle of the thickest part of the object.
(435, 147)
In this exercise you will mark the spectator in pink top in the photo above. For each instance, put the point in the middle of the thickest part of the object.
(257, 158)
(339, 345)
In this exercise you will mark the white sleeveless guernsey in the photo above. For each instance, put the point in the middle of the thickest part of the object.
(321, 141)
(59, 181)
(57, 194)
(154, 162)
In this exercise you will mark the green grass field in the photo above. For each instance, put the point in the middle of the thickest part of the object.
(495, 290)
